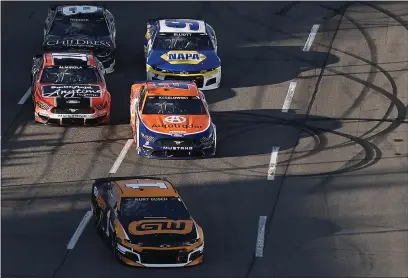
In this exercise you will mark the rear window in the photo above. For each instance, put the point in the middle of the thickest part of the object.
(81, 24)
(179, 105)
(160, 207)
(70, 75)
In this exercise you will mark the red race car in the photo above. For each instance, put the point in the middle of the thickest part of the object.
(69, 88)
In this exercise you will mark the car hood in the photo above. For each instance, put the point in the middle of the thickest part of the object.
(180, 60)
(77, 41)
(71, 91)
(168, 124)
(155, 232)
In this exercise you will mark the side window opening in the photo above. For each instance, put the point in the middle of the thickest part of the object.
(142, 97)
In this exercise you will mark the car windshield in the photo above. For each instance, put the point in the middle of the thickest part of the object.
(87, 25)
(190, 42)
(179, 105)
(161, 207)
(70, 75)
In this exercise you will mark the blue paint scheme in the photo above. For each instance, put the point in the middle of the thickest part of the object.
(182, 23)
(212, 61)
(158, 136)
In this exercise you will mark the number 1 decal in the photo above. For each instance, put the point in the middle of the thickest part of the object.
(182, 23)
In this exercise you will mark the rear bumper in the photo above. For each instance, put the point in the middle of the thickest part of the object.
(162, 153)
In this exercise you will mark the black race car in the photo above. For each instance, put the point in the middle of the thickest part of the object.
(86, 27)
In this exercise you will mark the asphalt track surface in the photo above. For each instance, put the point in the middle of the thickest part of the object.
(336, 200)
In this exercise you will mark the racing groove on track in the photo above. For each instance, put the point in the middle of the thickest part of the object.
(337, 205)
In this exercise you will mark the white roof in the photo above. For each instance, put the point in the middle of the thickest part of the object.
(166, 29)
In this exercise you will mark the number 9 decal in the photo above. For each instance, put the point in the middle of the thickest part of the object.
(191, 24)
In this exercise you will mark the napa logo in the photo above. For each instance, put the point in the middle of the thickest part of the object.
(183, 57)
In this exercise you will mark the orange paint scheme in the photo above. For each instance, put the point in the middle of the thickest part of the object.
(188, 124)
(122, 231)
(44, 106)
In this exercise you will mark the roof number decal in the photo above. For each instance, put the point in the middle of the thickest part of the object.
(183, 23)
(139, 185)
(70, 10)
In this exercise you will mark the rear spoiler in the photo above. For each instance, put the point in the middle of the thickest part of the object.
(151, 20)
(162, 81)
(129, 178)
(75, 3)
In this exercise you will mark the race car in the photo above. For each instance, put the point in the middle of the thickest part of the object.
(146, 222)
(69, 88)
(82, 27)
(182, 49)
(170, 119)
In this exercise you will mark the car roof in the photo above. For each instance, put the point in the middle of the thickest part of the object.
(75, 9)
(146, 187)
(153, 90)
(68, 59)
(163, 28)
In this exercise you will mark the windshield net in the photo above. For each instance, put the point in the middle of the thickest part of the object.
(70, 75)
(139, 208)
(174, 105)
(87, 25)
(191, 42)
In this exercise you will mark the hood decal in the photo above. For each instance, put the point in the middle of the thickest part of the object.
(85, 43)
(72, 91)
(176, 124)
(160, 226)
(183, 57)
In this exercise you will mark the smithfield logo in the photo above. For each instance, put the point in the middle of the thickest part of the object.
(183, 57)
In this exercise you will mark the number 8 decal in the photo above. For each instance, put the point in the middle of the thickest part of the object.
(182, 23)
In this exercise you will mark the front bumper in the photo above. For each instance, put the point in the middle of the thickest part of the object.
(152, 151)
(96, 118)
(160, 258)
(205, 81)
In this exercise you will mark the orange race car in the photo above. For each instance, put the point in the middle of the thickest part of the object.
(146, 222)
(69, 88)
(170, 119)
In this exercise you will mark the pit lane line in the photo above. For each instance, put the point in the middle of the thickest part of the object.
(85, 220)
(25, 97)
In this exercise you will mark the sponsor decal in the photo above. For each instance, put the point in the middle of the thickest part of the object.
(182, 34)
(71, 116)
(176, 126)
(79, 19)
(73, 101)
(70, 67)
(79, 43)
(178, 148)
(170, 97)
(183, 57)
(72, 91)
(175, 119)
(160, 226)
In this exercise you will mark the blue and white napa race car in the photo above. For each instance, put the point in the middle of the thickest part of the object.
(182, 49)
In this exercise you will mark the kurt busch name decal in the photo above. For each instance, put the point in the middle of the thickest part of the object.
(72, 91)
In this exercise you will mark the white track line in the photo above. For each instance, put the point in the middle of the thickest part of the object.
(311, 37)
(289, 97)
(272, 163)
(25, 97)
(79, 230)
(121, 156)
(260, 240)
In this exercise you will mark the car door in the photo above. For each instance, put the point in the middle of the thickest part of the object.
(137, 106)
(113, 196)
(37, 65)
(150, 36)
(48, 21)
(213, 37)
(110, 20)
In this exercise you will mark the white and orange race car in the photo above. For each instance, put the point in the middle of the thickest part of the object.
(69, 88)
(170, 119)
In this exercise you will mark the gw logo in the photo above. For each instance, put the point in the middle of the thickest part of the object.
(144, 227)
(183, 57)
